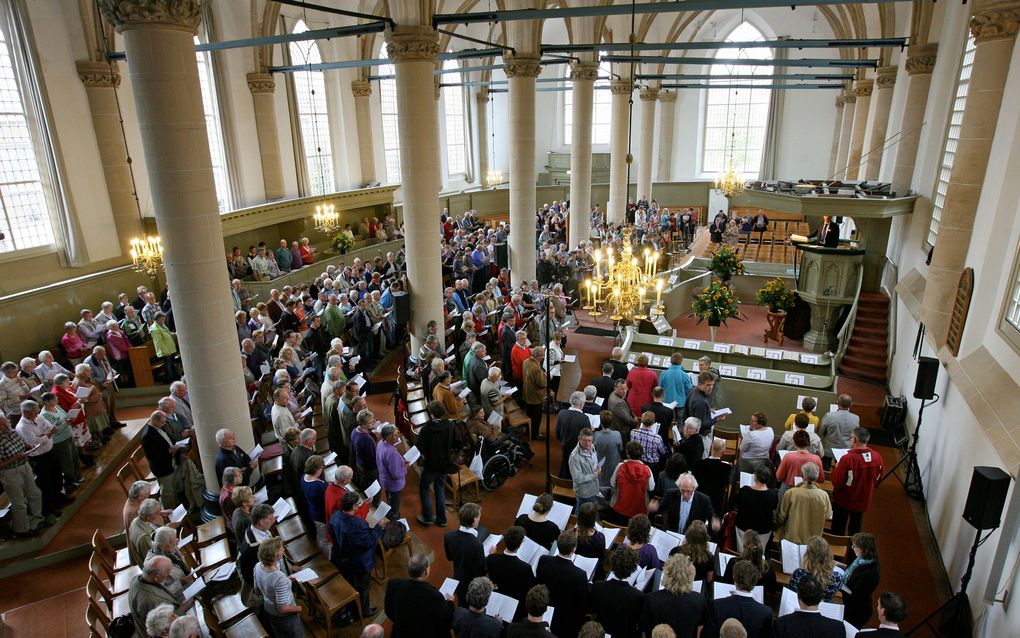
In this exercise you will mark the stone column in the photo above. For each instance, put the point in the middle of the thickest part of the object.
(482, 100)
(362, 90)
(849, 99)
(262, 86)
(863, 92)
(667, 115)
(619, 158)
(159, 42)
(100, 87)
(583, 75)
(885, 80)
(994, 26)
(413, 50)
(920, 63)
(521, 73)
(836, 135)
(649, 97)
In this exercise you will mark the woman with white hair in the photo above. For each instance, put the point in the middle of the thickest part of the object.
(48, 368)
(159, 620)
(164, 543)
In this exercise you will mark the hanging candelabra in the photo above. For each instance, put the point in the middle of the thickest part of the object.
(617, 288)
(326, 219)
(147, 255)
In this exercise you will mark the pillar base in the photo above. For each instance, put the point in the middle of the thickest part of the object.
(210, 506)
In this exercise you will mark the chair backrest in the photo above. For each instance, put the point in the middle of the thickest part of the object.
(98, 570)
(126, 476)
(840, 545)
(102, 548)
(562, 482)
(137, 456)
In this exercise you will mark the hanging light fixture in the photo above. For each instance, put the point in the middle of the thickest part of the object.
(326, 219)
(147, 254)
(729, 182)
(618, 285)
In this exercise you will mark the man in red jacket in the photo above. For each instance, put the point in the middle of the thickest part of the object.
(853, 482)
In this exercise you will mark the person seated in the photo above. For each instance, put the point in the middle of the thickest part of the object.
(74, 346)
(818, 562)
(807, 406)
(536, 523)
(695, 547)
(147, 592)
(732, 233)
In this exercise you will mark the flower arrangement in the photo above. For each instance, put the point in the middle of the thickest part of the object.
(342, 243)
(725, 263)
(716, 303)
(775, 295)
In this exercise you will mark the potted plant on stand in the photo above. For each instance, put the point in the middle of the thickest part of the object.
(775, 296)
(725, 263)
(342, 243)
(716, 303)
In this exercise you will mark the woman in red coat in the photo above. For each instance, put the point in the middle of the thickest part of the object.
(640, 382)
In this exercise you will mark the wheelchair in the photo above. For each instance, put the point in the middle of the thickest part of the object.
(500, 459)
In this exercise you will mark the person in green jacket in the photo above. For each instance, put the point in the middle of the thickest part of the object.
(166, 347)
(333, 318)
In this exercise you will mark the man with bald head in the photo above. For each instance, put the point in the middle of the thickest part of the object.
(147, 592)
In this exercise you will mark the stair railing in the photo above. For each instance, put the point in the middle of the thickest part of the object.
(890, 277)
(843, 336)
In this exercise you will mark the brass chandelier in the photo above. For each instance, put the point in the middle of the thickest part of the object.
(147, 254)
(729, 182)
(616, 291)
(326, 219)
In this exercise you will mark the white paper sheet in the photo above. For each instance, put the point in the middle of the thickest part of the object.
(692, 344)
(671, 405)
(495, 418)
(379, 513)
(255, 452)
(183, 442)
(746, 478)
(792, 555)
(305, 575)
(178, 514)
(560, 513)
(261, 496)
(192, 590)
(490, 541)
(756, 374)
(464, 393)
(359, 379)
(800, 400)
(373, 489)
(723, 348)
(839, 453)
(813, 359)
(502, 607)
(264, 368)
(506, 391)
(281, 507)
(723, 590)
(305, 413)
(599, 401)
(728, 370)
(665, 341)
(721, 412)
(184, 541)
(83, 392)
(73, 414)
(569, 358)
(788, 604)
(329, 459)
(449, 587)
(793, 379)
(595, 421)
(412, 454)
(664, 542)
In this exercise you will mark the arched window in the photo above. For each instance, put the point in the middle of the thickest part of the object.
(313, 115)
(217, 149)
(391, 134)
(453, 106)
(601, 115)
(736, 118)
(25, 219)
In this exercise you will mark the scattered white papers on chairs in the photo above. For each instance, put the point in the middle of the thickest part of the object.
(305, 575)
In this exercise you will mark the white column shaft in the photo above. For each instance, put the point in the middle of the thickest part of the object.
(616, 209)
(667, 115)
(580, 160)
(522, 177)
(645, 162)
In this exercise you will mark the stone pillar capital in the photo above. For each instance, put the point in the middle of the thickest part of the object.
(361, 88)
(667, 96)
(261, 82)
(436, 88)
(649, 94)
(864, 88)
(840, 101)
(849, 98)
(588, 71)
(125, 15)
(482, 97)
(98, 74)
(522, 67)
(995, 20)
(921, 58)
(885, 77)
(412, 43)
(620, 87)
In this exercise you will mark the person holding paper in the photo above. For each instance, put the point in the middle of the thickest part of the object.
(521, 352)
(620, 369)
(48, 368)
(753, 553)
(803, 509)
(536, 604)
(163, 454)
(451, 403)
(536, 523)
(806, 621)
(695, 546)
(756, 508)
(623, 418)
(807, 406)
(790, 467)
(392, 468)
(686, 505)
(800, 422)
(147, 591)
(63, 446)
(463, 548)
(490, 397)
(511, 575)
(716, 398)
(591, 543)
(436, 440)
(853, 481)
(282, 418)
(313, 489)
(649, 438)
(676, 604)
(366, 470)
(106, 378)
(353, 552)
(568, 586)
(699, 406)
(278, 603)
(664, 415)
(13, 390)
(632, 481)
(164, 543)
(569, 423)
(69, 403)
(836, 427)
(38, 434)
(755, 617)
(640, 381)
(90, 395)
(756, 443)
(604, 384)
(415, 606)
(534, 381)
(19, 484)
(342, 484)
(473, 622)
(860, 580)
(585, 469)
(230, 455)
(616, 602)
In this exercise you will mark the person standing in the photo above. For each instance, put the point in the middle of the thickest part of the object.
(463, 548)
(392, 469)
(892, 610)
(585, 469)
(569, 424)
(837, 427)
(437, 438)
(676, 383)
(38, 434)
(535, 381)
(353, 553)
(278, 603)
(699, 406)
(415, 606)
(366, 471)
(19, 485)
(853, 481)
(472, 622)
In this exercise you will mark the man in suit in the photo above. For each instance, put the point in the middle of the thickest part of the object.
(415, 606)
(463, 548)
(507, 339)
(472, 621)
(892, 610)
(534, 394)
(604, 385)
(699, 405)
(511, 575)
(807, 621)
(162, 454)
(664, 416)
(623, 417)
(713, 475)
(536, 603)
(691, 446)
(620, 369)
(568, 586)
(686, 505)
(754, 616)
(616, 603)
(569, 424)
(477, 371)
(304, 450)
(828, 233)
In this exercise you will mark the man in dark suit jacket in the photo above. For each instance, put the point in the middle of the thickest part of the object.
(568, 586)
(536, 603)
(507, 339)
(301, 453)
(604, 385)
(472, 622)
(807, 621)
(697, 505)
(754, 616)
(713, 475)
(892, 610)
(569, 424)
(616, 603)
(620, 370)
(464, 549)
(511, 575)
(415, 606)
(158, 445)
(664, 416)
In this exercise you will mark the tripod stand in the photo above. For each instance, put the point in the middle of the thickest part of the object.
(912, 482)
(956, 617)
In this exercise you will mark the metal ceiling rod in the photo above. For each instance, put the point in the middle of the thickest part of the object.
(342, 12)
(357, 64)
(621, 9)
(742, 76)
(454, 34)
(466, 69)
(317, 34)
(808, 62)
(542, 81)
(772, 87)
(758, 44)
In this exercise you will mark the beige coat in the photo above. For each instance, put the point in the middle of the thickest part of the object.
(802, 513)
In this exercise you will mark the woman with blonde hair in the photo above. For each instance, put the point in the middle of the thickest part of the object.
(695, 547)
(676, 604)
(818, 562)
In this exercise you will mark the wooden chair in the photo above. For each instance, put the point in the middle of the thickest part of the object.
(136, 459)
(323, 568)
(840, 546)
(215, 554)
(563, 488)
(291, 529)
(247, 627)
(384, 554)
(126, 477)
(115, 559)
(301, 550)
(111, 607)
(732, 439)
(331, 598)
(119, 581)
(96, 614)
(464, 477)
(214, 530)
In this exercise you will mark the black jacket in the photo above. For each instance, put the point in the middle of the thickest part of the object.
(465, 552)
(664, 416)
(701, 509)
(527, 629)
(417, 609)
(620, 371)
(435, 440)
(569, 424)
(862, 584)
(568, 593)
(804, 623)
(512, 577)
(617, 606)
(713, 479)
(754, 616)
(683, 612)
(471, 624)
(158, 452)
(603, 387)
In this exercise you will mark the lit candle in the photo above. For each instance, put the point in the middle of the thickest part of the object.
(658, 292)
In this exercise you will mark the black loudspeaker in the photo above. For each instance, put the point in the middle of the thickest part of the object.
(987, 496)
(402, 306)
(927, 374)
(893, 416)
(502, 256)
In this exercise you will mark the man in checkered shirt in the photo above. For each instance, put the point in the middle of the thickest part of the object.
(651, 442)
(18, 482)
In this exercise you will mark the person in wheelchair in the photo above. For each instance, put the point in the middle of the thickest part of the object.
(499, 452)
